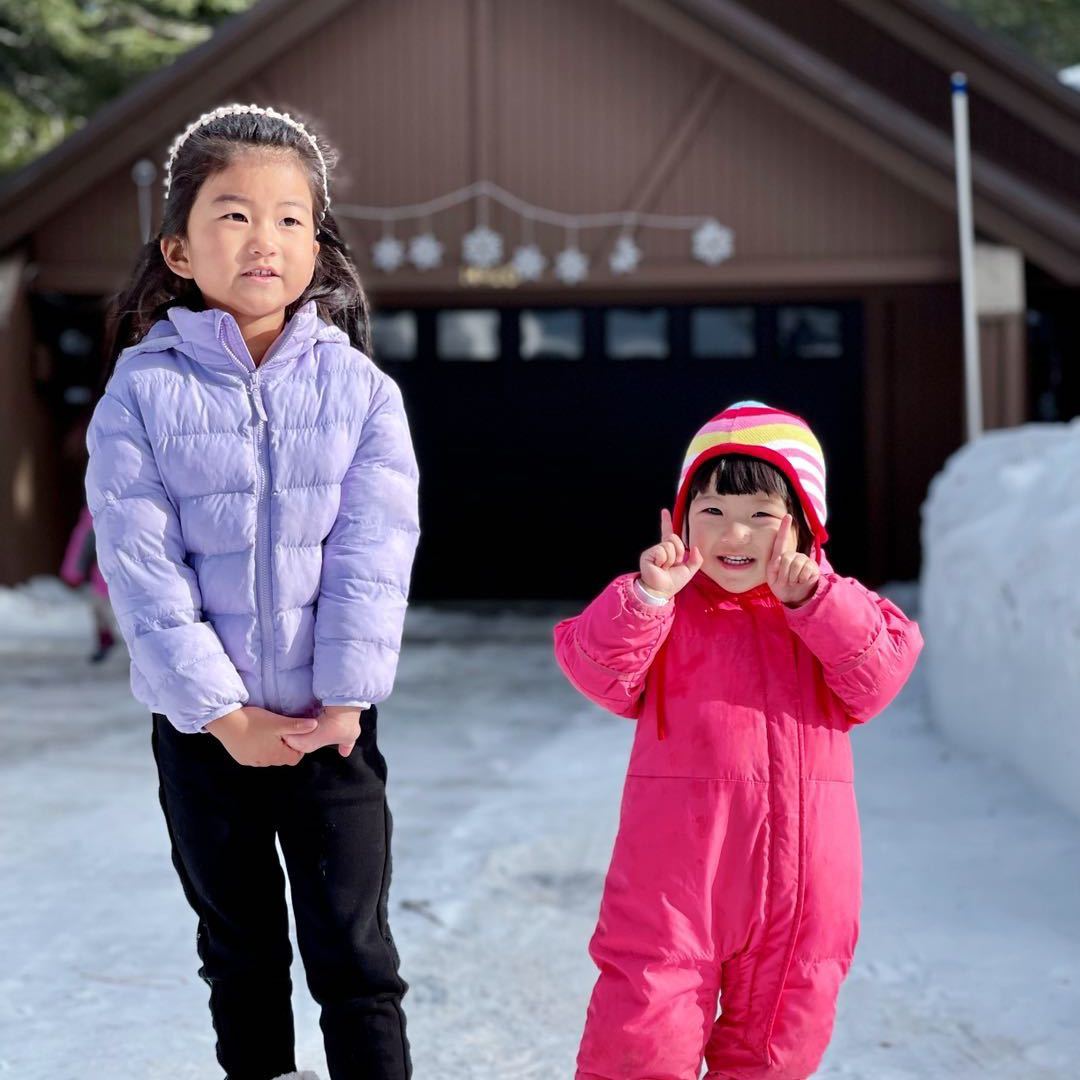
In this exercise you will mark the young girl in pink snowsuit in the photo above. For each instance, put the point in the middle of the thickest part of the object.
(745, 660)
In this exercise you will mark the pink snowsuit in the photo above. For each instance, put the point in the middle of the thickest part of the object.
(80, 563)
(737, 866)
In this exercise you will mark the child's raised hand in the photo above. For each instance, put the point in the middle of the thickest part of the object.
(792, 576)
(667, 567)
(339, 725)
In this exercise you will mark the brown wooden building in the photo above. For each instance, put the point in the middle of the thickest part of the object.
(551, 418)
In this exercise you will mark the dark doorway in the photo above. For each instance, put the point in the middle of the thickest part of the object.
(549, 438)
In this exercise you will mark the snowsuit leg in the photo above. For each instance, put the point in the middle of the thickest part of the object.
(665, 1008)
(661, 937)
(801, 1029)
(770, 1031)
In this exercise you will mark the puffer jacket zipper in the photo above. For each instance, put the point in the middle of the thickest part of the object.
(264, 601)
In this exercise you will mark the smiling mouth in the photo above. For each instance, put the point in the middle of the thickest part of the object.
(261, 273)
(736, 560)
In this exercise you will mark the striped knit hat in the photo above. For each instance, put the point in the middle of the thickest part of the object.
(781, 438)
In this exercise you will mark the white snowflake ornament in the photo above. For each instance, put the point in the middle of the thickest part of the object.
(713, 243)
(625, 256)
(425, 251)
(483, 248)
(388, 254)
(571, 265)
(529, 262)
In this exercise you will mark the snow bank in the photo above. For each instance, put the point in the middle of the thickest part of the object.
(42, 609)
(1001, 601)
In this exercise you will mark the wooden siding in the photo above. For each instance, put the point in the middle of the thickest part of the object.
(579, 105)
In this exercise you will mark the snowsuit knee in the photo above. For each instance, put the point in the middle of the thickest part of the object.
(736, 872)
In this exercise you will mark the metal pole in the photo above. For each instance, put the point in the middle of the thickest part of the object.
(972, 368)
(143, 172)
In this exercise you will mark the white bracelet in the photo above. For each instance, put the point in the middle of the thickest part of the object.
(650, 598)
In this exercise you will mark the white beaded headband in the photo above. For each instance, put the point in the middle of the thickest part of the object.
(241, 110)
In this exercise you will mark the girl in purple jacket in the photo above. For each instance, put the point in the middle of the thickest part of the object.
(254, 494)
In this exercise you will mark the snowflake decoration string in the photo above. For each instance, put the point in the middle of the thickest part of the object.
(625, 256)
(388, 254)
(529, 262)
(425, 251)
(713, 243)
(483, 248)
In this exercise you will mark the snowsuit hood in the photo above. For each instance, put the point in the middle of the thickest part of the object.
(782, 439)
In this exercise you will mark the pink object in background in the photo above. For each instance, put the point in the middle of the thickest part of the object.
(80, 558)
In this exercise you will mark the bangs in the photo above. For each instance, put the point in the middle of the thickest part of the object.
(739, 474)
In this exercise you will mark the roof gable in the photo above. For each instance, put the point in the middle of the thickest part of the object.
(735, 36)
(1008, 205)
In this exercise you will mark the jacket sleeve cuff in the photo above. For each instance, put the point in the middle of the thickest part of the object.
(840, 623)
(198, 725)
(351, 703)
(808, 608)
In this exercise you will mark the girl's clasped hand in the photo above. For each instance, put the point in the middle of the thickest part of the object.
(338, 725)
(259, 737)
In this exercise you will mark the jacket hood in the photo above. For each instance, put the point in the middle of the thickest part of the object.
(204, 336)
(782, 439)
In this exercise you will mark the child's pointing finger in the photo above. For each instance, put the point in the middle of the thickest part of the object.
(782, 534)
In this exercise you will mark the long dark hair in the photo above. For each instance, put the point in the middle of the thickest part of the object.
(154, 288)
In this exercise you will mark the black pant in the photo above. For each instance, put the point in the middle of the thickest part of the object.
(331, 817)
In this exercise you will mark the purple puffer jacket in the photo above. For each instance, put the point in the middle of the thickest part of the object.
(256, 526)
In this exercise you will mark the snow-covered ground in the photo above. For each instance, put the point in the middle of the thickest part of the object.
(1002, 602)
(504, 786)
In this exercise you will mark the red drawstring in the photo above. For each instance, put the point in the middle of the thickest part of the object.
(661, 680)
